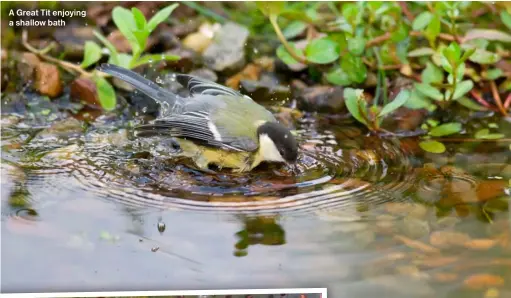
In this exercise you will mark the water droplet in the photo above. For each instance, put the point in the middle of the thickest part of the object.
(161, 227)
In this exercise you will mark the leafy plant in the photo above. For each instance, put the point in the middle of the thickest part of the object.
(371, 116)
(136, 29)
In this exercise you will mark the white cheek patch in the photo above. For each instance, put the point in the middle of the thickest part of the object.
(268, 150)
(214, 130)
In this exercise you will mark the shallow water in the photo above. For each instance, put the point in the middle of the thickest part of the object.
(362, 216)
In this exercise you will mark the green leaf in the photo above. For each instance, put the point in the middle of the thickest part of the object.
(467, 54)
(352, 98)
(106, 93)
(470, 104)
(111, 48)
(429, 91)
(485, 134)
(400, 34)
(124, 60)
(295, 15)
(506, 18)
(452, 53)
(400, 100)
(271, 7)
(422, 20)
(284, 55)
(125, 22)
(495, 73)
(155, 58)
(484, 57)
(350, 13)
(322, 51)
(418, 101)
(139, 17)
(433, 29)
(354, 67)
(91, 55)
(445, 129)
(294, 29)
(488, 34)
(356, 45)
(160, 16)
(338, 77)
(421, 52)
(432, 74)
(463, 88)
(432, 146)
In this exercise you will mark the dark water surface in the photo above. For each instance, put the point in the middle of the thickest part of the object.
(363, 216)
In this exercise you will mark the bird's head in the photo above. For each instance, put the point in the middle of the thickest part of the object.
(276, 143)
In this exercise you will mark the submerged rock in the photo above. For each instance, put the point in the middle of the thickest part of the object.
(47, 79)
(262, 91)
(327, 99)
(65, 128)
(84, 90)
(227, 53)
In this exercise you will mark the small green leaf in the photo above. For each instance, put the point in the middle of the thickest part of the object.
(155, 58)
(271, 7)
(485, 134)
(484, 57)
(352, 97)
(462, 88)
(445, 129)
(470, 104)
(284, 55)
(111, 48)
(356, 46)
(495, 73)
(432, 146)
(433, 29)
(338, 77)
(350, 12)
(400, 100)
(422, 20)
(91, 55)
(124, 60)
(467, 54)
(488, 34)
(452, 53)
(418, 101)
(294, 29)
(160, 16)
(506, 18)
(429, 91)
(432, 74)
(295, 15)
(139, 17)
(354, 67)
(421, 52)
(106, 93)
(400, 34)
(125, 22)
(322, 51)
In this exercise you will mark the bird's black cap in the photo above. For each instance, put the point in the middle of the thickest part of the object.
(282, 138)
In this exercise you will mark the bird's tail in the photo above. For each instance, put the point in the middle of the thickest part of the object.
(151, 89)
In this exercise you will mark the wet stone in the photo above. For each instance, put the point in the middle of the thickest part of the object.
(205, 73)
(65, 128)
(262, 91)
(189, 60)
(84, 90)
(47, 79)
(72, 40)
(326, 99)
(27, 65)
(227, 53)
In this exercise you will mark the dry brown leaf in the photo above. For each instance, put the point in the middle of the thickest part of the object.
(490, 189)
(436, 261)
(479, 281)
(250, 72)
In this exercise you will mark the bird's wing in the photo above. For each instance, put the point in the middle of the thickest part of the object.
(197, 85)
(199, 127)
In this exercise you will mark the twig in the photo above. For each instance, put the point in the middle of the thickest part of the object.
(481, 100)
(70, 67)
(378, 40)
(280, 35)
(406, 11)
(508, 101)
(496, 95)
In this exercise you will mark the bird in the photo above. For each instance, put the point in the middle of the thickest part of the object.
(214, 124)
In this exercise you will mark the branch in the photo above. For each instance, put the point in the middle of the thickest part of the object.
(496, 95)
(282, 38)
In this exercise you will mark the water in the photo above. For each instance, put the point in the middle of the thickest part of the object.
(362, 216)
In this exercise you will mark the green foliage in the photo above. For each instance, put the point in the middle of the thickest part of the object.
(92, 54)
(432, 146)
(106, 93)
(322, 51)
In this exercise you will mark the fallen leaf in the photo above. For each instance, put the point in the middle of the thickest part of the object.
(445, 277)
(250, 72)
(479, 281)
(490, 189)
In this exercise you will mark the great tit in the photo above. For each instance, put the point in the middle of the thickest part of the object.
(215, 125)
